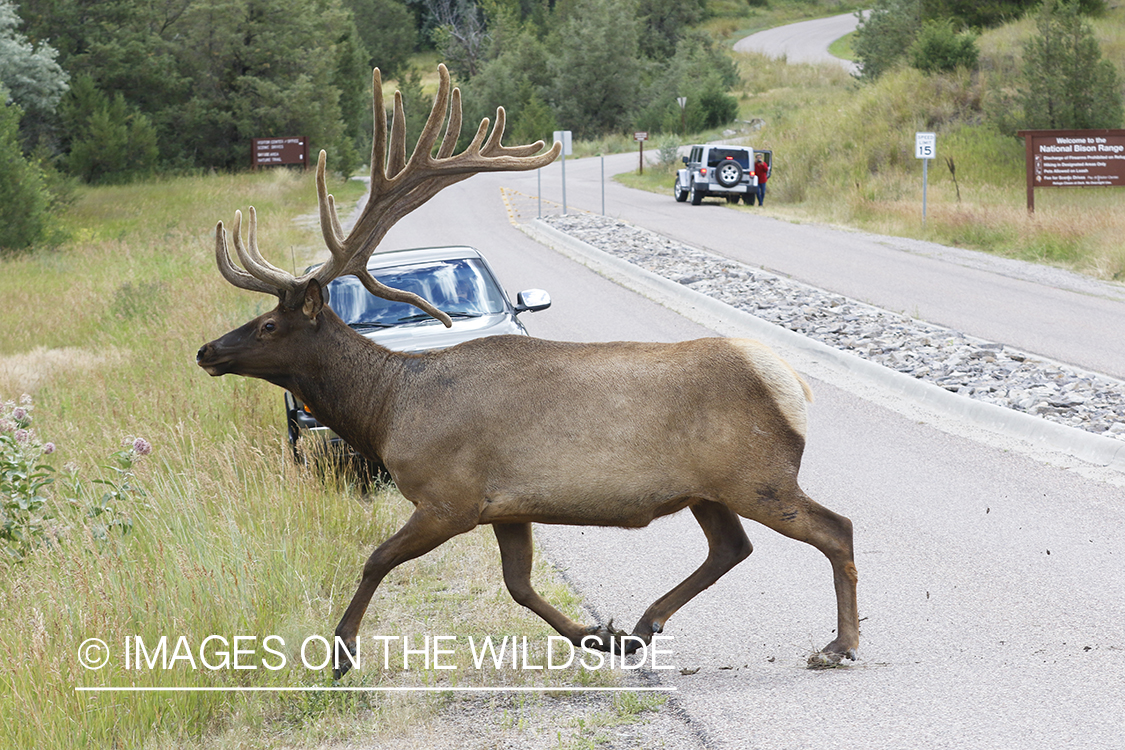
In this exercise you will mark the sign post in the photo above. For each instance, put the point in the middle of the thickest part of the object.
(640, 137)
(563, 137)
(1073, 158)
(925, 148)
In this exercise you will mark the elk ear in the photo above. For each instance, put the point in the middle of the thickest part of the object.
(314, 300)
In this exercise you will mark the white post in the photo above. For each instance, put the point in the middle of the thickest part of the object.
(925, 164)
(564, 180)
(563, 137)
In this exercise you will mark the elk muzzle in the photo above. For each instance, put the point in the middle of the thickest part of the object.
(208, 358)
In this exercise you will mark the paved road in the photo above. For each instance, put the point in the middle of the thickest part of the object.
(807, 41)
(992, 588)
(1046, 311)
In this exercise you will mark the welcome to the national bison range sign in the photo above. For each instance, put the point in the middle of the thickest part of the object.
(1073, 158)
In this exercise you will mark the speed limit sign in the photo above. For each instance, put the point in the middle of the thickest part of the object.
(925, 145)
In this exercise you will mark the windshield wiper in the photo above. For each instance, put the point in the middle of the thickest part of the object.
(370, 324)
(426, 316)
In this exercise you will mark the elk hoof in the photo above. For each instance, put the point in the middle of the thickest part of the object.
(609, 638)
(344, 660)
(828, 658)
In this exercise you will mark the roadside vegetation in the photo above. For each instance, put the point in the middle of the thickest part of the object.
(211, 529)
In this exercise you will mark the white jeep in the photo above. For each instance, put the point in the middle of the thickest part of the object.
(718, 170)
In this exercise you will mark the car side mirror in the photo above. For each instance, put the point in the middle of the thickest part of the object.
(685, 160)
(532, 300)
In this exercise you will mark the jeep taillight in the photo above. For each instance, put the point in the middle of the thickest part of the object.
(703, 171)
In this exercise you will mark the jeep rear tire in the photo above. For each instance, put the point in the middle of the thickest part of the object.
(695, 195)
(678, 191)
(728, 173)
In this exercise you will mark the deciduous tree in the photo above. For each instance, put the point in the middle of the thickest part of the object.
(884, 34)
(595, 67)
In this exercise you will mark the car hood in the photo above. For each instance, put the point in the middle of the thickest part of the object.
(431, 334)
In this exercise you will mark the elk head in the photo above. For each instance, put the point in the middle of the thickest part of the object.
(398, 186)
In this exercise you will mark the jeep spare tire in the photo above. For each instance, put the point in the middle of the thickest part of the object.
(728, 173)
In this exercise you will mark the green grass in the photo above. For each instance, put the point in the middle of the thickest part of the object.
(230, 537)
(842, 47)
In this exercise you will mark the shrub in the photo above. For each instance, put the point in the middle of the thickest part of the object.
(881, 39)
(940, 49)
(28, 518)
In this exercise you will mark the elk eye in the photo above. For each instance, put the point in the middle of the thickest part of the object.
(269, 326)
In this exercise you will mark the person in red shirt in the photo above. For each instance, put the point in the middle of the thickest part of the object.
(762, 172)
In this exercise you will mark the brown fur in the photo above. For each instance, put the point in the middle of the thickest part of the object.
(511, 430)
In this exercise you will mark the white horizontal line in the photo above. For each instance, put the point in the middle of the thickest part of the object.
(325, 689)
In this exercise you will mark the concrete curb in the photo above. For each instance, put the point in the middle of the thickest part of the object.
(804, 353)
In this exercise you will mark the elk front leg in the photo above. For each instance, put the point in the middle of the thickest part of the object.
(516, 555)
(727, 546)
(421, 533)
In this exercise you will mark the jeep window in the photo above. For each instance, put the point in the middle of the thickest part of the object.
(719, 154)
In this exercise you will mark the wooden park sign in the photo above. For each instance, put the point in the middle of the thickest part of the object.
(1073, 158)
(271, 152)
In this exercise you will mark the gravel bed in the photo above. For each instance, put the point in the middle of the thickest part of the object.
(991, 372)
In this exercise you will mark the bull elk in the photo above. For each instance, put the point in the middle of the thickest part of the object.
(511, 430)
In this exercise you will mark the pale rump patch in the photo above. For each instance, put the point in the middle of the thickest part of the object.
(790, 389)
(26, 372)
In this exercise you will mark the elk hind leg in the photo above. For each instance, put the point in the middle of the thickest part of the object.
(727, 546)
(796, 515)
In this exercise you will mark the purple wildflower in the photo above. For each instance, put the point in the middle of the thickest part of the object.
(142, 447)
(22, 436)
(25, 399)
(48, 449)
(20, 414)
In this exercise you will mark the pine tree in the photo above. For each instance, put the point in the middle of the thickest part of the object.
(1068, 84)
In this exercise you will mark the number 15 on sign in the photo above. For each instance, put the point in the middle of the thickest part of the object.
(925, 145)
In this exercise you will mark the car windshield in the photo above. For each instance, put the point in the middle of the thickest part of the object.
(719, 154)
(460, 286)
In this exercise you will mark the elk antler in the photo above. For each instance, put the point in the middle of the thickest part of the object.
(398, 187)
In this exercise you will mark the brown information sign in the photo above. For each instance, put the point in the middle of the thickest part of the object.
(269, 152)
(1073, 158)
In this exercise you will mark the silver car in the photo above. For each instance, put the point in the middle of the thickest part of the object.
(458, 280)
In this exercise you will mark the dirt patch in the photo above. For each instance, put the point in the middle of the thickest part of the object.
(540, 722)
(29, 371)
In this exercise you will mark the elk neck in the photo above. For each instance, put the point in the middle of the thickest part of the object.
(348, 381)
